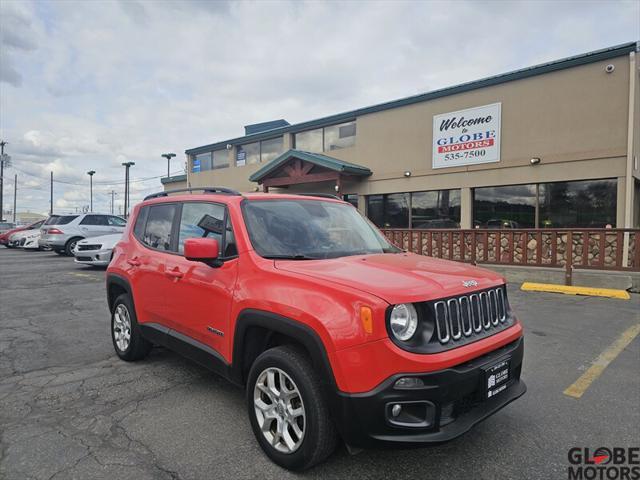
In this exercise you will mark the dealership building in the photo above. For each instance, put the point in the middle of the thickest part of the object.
(553, 145)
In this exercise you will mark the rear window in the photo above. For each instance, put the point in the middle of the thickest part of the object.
(65, 220)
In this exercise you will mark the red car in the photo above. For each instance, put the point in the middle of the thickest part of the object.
(333, 332)
(4, 236)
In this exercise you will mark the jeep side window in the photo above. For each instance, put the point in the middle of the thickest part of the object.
(157, 232)
(141, 220)
(194, 215)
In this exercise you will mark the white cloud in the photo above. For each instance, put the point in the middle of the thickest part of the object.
(89, 85)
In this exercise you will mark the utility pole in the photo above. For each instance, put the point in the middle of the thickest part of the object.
(168, 156)
(113, 194)
(91, 173)
(2, 160)
(51, 196)
(126, 166)
(15, 192)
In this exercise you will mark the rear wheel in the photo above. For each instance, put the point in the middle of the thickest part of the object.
(287, 410)
(125, 332)
(70, 246)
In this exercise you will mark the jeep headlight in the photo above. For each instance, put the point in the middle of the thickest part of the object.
(403, 321)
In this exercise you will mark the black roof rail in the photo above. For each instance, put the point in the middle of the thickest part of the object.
(223, 190)
(321, 195)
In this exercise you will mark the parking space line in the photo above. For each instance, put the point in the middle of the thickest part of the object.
(577, 389)
(84, 275)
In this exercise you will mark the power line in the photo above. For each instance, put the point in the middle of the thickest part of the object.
(115, 182)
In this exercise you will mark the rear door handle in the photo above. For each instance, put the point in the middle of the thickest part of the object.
(134, 262)
(175, 273)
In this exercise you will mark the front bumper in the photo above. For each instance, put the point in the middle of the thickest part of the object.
(456, 399)
(99, 258)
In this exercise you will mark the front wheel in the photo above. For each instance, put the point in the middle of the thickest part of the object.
(287, 410)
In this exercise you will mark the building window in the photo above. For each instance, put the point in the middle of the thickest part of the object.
(513, 206)
(590, 203)
(327, 139)
(270, 149)
(220, 159)
(201, 162)
(578, 204)
(352, 198)
(248, 154)
(309, 141)
(390, 210)
(435, 209)
(339, 136)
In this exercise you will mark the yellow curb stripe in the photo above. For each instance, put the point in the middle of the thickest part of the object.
(567, 290)
(604, 359)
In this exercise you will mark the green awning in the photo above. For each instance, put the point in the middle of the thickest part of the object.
(318, 159)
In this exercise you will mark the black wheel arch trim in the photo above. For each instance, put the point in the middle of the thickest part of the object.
(115, 279)
(278, 324)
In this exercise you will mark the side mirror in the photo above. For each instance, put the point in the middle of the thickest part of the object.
(205, 250)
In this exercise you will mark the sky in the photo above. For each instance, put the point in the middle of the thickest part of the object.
(87, 85)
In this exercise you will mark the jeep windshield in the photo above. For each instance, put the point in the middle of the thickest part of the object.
(310, 230)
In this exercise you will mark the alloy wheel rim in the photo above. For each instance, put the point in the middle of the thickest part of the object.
(122, 327)
(279, 410)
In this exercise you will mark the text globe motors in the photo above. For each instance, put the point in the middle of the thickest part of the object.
(467, 137)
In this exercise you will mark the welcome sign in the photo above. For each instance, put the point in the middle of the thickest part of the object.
(467, 137)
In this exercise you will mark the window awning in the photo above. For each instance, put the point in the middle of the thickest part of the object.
(296, 166)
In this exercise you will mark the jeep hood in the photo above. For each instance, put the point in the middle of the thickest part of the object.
(396, 278)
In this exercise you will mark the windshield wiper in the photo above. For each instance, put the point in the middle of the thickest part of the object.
(297, 256)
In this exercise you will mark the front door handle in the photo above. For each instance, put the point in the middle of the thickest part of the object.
(175, 273)
(134, 262)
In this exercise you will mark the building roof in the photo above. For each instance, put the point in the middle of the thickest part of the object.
(315, 158)
(265, 126)
(569, 62)
(174, 179)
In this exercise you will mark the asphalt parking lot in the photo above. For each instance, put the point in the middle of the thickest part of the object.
(69, 408)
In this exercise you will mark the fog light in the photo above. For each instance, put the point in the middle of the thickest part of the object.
(395, 410)
(408, 383)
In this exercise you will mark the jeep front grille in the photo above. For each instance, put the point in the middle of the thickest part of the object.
(473, 315)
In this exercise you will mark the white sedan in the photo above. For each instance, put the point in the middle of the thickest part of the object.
(96, 251)
(28, 239)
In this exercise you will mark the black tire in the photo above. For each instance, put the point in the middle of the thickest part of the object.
(70, 245)
(320, 436)
(138, 347)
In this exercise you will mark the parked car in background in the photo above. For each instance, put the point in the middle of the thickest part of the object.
(96, 251)
(6, 226)
(68, 230)
(498, 223)
(25, 239)
(5, 234)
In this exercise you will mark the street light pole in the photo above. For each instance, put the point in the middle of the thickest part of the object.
(113, 194)
(126, 166)
(91, 173)
(168, 156)
(2, 144)
(15, 196)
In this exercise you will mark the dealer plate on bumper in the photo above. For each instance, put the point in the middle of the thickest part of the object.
(496, 378)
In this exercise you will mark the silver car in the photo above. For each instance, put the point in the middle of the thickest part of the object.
(63, 236)
(96, 250)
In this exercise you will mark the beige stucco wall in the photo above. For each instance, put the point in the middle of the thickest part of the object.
(575, 120)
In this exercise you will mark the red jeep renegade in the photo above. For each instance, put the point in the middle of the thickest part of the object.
(334, 332)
